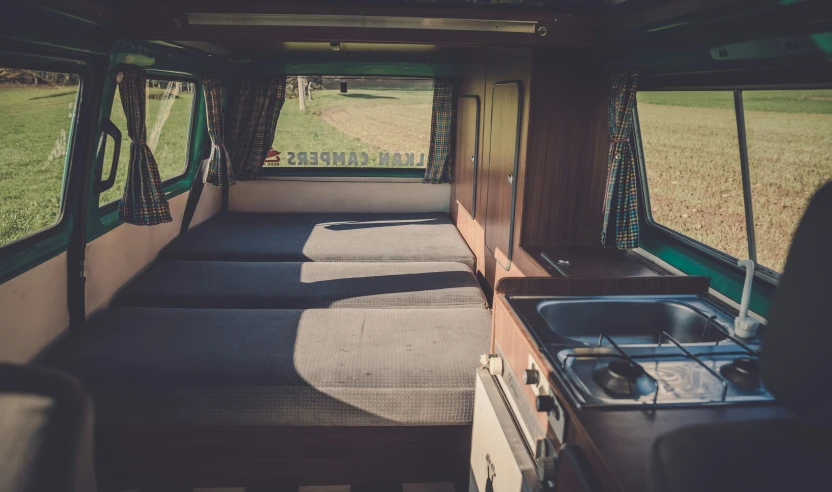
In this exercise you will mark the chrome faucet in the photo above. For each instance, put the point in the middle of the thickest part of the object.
(744, 326)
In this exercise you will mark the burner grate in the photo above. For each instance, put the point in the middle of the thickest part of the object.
(633, 359)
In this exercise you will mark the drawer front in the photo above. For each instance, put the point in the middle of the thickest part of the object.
(500, 460)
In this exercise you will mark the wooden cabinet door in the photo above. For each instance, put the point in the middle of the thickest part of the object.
(467, 138)
(504, 146)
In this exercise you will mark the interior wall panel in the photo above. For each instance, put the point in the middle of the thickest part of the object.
(116, 258)
(339, 195)
(565, 186)
(35, 310)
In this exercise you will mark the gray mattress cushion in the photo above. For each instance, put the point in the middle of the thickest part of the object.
(323, 237)
(294, 285)
(340, 367)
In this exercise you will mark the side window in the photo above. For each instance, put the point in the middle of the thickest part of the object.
(694, 174)
(37, 110)
(692, 166)
(169, 109)
(789, 157)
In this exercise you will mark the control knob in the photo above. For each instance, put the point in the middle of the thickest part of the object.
(531, 376)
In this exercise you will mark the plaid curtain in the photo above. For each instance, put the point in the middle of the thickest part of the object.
(621, 202)
(220, 172)
(257, 103)
(441, 125)
(143, 202)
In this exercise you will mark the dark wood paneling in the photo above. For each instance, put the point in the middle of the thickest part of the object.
(466, 155)
(222, 456)
(567, 150)
(573, 286)
(503, 163)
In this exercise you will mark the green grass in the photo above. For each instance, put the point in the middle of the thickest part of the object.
(371, 121)
(171, 151)
(797, 101)
(693, 165)
(31, 182)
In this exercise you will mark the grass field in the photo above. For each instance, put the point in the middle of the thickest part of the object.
(693, 167)
(371, 121)
(31, 174)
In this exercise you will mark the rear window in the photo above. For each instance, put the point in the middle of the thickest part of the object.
(169, 109)
(354, 122)
(37, 108)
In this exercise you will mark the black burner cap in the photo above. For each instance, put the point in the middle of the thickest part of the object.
(747, 365)
(625, 369)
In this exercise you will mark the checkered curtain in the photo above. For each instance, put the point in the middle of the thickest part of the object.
(143, 202)
(220, 172)
(441, 125)
(621, 203)
(257, 104)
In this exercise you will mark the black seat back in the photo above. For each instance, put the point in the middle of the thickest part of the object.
(796, 360)
(46, 431)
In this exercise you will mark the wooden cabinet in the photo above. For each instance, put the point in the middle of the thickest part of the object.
(503, 160)
(467, 152)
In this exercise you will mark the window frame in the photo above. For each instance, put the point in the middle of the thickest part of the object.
(770, 278)
(29, 242)
(109, 207)
(345, 171)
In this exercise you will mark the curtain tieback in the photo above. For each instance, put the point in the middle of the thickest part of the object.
(615, 141)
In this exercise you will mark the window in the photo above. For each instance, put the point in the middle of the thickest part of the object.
(789, 157)
(355, 122)
(694, 172)
(38, 109)
(169, 109)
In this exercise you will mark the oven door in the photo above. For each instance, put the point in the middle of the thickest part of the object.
(501, 460)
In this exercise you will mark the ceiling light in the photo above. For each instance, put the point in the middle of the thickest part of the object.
(362, 21)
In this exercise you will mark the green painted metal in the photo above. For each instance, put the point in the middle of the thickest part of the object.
(725, 278)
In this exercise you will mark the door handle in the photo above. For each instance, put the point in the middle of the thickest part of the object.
(510, 179)
(108, 128)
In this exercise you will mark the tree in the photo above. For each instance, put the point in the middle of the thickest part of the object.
(302, 92)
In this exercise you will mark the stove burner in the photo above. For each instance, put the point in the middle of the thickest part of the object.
(625, 369)
(742, 371)
(623, 379)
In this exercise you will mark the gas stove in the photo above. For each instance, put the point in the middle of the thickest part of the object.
(667, 373)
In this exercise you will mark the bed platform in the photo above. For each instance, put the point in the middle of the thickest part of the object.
(296, 285)
(345, 334)
(324, 237)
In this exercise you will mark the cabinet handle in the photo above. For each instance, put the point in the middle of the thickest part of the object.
(510, 179)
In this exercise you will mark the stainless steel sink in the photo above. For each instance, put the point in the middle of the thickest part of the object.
(629, 320)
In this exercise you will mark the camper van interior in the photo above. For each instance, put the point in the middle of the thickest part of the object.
(415, 245)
